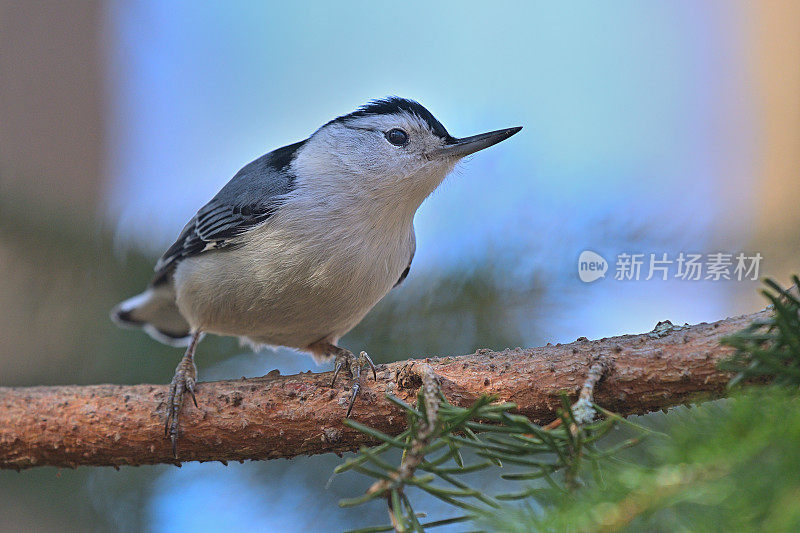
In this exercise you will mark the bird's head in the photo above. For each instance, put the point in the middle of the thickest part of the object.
(392, 148)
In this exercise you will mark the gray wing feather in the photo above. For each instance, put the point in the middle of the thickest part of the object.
(246, 201)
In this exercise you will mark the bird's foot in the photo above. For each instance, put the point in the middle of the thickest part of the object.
(184, 381)
(345, 359)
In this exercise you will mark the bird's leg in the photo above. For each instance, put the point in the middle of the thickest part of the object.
(184, 381)
(345, 359)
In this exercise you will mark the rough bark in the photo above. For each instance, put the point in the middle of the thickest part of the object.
(285, 416)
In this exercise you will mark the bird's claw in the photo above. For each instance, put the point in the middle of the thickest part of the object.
(185, 380)
(345, 359)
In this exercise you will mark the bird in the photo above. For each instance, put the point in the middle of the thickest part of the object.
(302, 242)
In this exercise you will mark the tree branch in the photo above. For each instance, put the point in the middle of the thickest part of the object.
(285, 416)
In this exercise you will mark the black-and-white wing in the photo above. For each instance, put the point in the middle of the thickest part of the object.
(249, 199)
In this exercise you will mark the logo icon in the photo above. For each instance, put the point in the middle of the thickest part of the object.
(591, 266)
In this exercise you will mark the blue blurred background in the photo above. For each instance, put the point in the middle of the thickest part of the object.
(648, 128)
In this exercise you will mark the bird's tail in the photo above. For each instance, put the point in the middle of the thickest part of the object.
(156, 313)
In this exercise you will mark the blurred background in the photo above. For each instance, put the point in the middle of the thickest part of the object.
(649, 128)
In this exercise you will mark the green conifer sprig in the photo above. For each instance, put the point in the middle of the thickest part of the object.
(547, 460)
(769, 349)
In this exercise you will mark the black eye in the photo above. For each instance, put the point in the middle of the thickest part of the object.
(397, 137)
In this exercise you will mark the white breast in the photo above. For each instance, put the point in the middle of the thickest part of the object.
(311, 272)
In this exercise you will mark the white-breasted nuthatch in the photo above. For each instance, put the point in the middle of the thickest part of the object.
(303, 241)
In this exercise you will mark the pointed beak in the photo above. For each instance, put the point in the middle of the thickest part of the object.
(470, 145)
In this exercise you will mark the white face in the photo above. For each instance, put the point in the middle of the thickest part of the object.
(384, 156)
